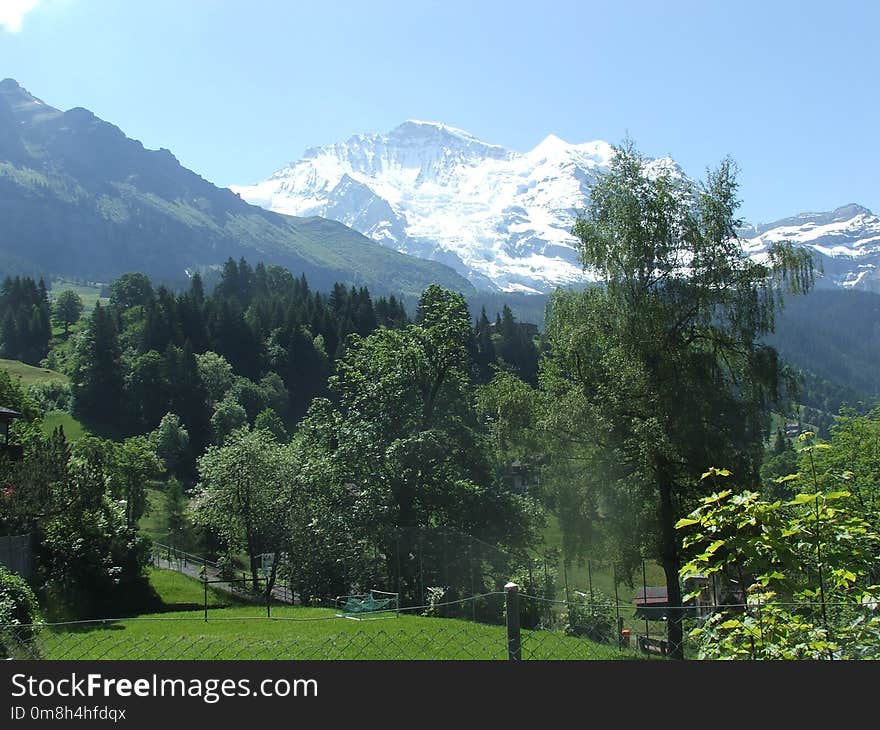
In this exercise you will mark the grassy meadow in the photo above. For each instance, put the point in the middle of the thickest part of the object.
(578, 574)
(89, 294)
(238, 631)
(28, 374)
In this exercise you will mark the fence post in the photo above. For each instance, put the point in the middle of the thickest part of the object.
(514, 645)
(617, 605)
(397, 554)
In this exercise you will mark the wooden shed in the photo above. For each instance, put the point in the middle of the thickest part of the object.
(7, 416)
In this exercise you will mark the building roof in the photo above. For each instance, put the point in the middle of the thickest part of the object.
(7, 414)
(649, 595)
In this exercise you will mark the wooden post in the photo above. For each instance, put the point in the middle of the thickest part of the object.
(422, 596)
(205, 581)
(473, 589)
(397, 553)
(514, 645)
(617, 605)
(565, 580)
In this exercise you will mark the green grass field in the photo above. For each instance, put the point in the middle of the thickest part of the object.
(73, 429)
(243, 632)
(30, 374)
(152, 524)
(580, 572)
(89, 294)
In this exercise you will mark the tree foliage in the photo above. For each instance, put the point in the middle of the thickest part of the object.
(89, 558)
(68, 308)
(403, 450)
(662, 369)
(806, 570)
(249, 493)
(97, 383)
(25, 327)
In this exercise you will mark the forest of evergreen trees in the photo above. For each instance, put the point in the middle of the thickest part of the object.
(25, 323)
(262, 344)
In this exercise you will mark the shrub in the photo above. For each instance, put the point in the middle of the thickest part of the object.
(537, 592)
(18, 609)
(51, 395)
(592, 615)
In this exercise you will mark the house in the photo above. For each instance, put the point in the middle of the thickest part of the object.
(519, 476)
(7, 415)
(652, 602)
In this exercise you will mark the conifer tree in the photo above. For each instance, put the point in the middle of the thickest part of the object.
(97, 380)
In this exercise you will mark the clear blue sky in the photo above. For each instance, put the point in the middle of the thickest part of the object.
(237, 88)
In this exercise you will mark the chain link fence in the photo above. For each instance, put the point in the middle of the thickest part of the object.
(533, 628)
(405, 560)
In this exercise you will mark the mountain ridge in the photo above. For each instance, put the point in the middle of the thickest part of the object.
(78, 197)
(503, 218)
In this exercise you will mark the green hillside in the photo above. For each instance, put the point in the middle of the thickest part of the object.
(78, 198)
(835, 335)
(30, 374)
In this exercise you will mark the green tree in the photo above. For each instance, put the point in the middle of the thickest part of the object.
(249, 493)
(805, 567)
(88, 561)
(509, 409)
(131, 290)
(404, 448)
(170, 441)
(18, 610)
(146, 390)
(216, 373)
(131, 464)
(270, 421)
(228, 416)
(852, 457)
(662, 370)
(275, 393)
(97, 381)
(68, 309)
(187, 396)
(25, 328)
(175, 511)
(249, 395)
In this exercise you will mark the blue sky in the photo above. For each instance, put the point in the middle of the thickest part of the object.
(236, 89)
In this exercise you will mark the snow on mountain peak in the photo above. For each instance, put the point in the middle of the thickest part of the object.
(420, 127)
(502, 218)
(551, 143)
(846, 241)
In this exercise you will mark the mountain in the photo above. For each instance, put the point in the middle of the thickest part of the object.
(499, 217)
(503, 218)
(79, 198)
(834, 334)
(846, 242)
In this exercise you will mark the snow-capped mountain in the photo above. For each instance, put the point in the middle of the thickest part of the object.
(846, 241)
(500, 217)
(503, 218)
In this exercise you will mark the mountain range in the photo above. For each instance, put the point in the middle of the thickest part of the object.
(394, 212)
(79, 198)
(503, 218)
